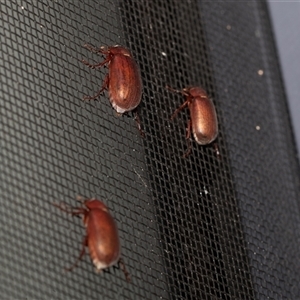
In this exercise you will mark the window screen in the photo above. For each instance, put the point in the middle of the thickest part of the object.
(201, 227)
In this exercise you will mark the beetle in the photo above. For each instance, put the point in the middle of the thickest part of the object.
(203, 120)
(102, 237)
(123, 81)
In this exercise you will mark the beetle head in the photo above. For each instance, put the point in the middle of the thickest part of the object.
(119, 50)
(95, 204)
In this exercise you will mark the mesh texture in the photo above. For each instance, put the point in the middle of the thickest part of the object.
(204, 227)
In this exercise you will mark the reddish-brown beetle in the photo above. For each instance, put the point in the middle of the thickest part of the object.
(203, 121)
(102, 238)
(124, 82)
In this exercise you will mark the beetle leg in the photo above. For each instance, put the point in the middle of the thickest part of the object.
(92, 49)
(183, 92)
(63, 207)
(82, 252)
(138, 122)
(94, 66)
(78, 211)
(123, 268)
(188, 137)
(74, 211)
(181, 107)
(104, 86)
(102, 50)
(80, 199)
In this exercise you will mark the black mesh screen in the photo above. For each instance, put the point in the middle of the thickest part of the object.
(203, 227)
